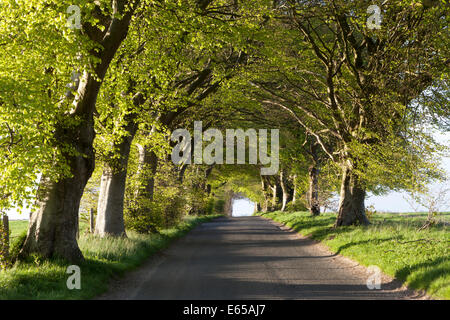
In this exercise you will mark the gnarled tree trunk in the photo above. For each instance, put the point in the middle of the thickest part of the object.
(313, 174)
(228, 206)
(112, 187)
(112, 190)
(351, 203)
(264, 185)
(110, 203)
(53, 227)
(274, 196)
(294, 189)
(284, 189)
(182, 172)
(313, 193)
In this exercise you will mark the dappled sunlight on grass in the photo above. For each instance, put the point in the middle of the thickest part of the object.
(392, 242)
(105, 258)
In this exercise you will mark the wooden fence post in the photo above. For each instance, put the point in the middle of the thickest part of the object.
(4, 240)
(6, 228)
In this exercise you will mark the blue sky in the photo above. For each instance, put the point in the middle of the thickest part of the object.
(395, 201)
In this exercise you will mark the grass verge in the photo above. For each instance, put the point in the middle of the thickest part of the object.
(105, 258)
(418, 258)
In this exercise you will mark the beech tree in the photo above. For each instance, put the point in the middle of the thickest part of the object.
(355, 90)
(68, 121)
(170, 75)
(300, 155)
(344, 95)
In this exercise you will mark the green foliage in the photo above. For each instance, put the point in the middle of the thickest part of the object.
(16, 245)
(243, 179)
(210, 206)
(173, 211)
(310, 68)
(149, 220)
(197, 200)
(168, 206)
(165, 211)
(38, 55)
(370, 212)
(10, 251)
(328, 57)
(219, 206)
(295, 207)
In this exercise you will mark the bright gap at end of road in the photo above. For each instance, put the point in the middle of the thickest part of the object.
(243, 208)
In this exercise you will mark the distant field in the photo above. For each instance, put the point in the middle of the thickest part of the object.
(17, 227)
(443, 216)
(421, 259)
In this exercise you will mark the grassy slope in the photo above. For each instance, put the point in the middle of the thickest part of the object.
(419, 258)
(105, 259)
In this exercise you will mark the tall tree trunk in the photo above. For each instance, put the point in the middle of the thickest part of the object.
(228, 207)
(284, 190)
(110, 203)
(265, 205)
(112, 187)
(53, 227)
(182, 172)
(204, 184)
(313, 193)
(294, 189)
(274, 196)
(313, 175)
(351, 203)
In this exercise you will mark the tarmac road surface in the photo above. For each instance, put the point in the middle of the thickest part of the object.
(250, 258)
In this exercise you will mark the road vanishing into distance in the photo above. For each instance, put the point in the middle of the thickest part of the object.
(250, 258)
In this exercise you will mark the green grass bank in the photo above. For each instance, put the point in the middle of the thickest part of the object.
(420, 259)
(105, 259)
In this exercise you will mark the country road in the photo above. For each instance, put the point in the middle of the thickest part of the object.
(250, 258)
